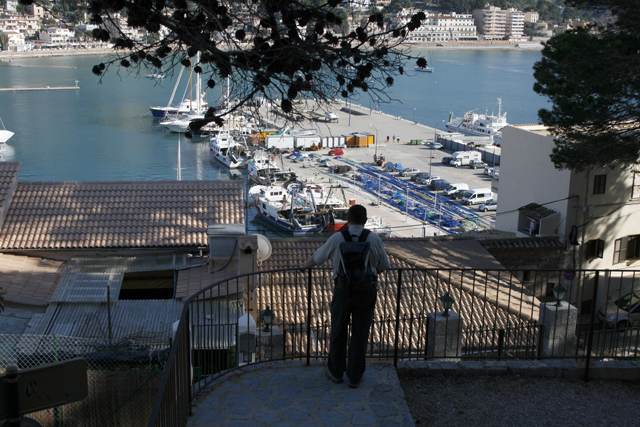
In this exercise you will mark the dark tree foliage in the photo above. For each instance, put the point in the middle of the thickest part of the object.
(280, 50)
(592, 77)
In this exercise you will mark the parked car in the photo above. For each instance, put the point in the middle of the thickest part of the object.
(488, 170)
(491, 205)
(435, 145)
(409, 171)
(336, 152)
(475, 164)
(419, 176)
(622, 312)
(330, 116)
(446, 160)
(427, 181)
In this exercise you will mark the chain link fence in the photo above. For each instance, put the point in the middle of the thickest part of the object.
(123, 377)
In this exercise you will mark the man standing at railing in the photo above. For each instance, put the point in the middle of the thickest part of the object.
(354, 296)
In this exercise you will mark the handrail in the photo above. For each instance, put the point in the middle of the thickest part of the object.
(490, 304)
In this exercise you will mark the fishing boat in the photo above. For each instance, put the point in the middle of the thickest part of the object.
(287, 210)
(263, 169)
(227, 150)
(480, 124)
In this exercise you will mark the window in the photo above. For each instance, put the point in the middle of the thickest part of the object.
(599, 184)
(635, 189)
(595, 248)
(633, 247)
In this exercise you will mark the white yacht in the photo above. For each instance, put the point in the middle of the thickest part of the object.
(179, 124)
(227, 150)
(480, 124)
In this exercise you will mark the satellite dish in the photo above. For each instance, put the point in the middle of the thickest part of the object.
(264, 248)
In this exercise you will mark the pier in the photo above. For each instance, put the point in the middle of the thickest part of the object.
(22, 89)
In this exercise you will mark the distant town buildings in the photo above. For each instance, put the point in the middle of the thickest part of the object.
(496, 24)
(442, 27)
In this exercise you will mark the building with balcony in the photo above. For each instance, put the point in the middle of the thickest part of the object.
(491, 22)
(25, 24)
(594, 212)
(514, 28)
(55, 36)
(16, 41)
(444, 27)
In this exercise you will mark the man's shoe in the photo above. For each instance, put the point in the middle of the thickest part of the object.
(355, 384)
(332, 377)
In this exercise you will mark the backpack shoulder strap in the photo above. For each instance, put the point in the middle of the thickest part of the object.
(363, 236)
(347, 237)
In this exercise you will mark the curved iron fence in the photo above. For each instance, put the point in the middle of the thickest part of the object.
(496, 314)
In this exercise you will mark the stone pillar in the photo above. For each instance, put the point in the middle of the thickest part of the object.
(559, 323)
(445, 335)
(248, 263)
(270, 344)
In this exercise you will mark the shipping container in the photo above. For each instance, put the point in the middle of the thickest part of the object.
(307, 141)
(280, 141)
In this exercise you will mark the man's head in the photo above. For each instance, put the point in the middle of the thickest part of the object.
(357, 215)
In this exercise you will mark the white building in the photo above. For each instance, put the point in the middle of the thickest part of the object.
(16, 41)
(595, 212)
(495, 23)
(532, 17)
(515, 24)
(28, 25)
(10, 5)
(491, 22)
(35, 10)
(442, 28)
(56, 36)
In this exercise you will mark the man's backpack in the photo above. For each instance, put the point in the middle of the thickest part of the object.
(353, 272)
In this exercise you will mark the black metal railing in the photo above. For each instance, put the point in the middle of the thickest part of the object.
(496, 315)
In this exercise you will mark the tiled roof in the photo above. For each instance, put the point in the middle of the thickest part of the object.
(91, 215)
(481, 307)
(536, 211)
(8, 184)
(522, 243)
(29, 280)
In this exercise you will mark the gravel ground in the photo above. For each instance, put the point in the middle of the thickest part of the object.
(516, 401)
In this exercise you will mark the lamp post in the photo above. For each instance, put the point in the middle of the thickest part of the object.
(435, 136)
(559, 292)
(447, 303)
(267, 316)
(375, 155)
(414, 117)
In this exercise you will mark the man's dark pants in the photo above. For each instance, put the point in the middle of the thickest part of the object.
(360, 306)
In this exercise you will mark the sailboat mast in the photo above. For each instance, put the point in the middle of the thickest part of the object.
(198, 87)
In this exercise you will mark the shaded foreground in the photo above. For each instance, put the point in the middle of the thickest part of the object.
(516, 401)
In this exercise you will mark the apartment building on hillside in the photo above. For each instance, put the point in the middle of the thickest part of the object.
(494, 23)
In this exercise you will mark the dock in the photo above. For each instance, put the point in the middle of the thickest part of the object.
(22, 89)
(393, 137)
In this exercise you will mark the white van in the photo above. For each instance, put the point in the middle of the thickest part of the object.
(477, 196)
(462, 158)
(451, 188)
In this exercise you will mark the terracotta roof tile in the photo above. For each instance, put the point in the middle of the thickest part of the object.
(26, 279)
(86, 215)
(491, 306)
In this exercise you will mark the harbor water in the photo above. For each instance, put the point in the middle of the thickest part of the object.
(104, 131)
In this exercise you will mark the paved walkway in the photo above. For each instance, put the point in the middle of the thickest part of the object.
(291, 394)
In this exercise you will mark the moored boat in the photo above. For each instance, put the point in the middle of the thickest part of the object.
(227, 150)
(289, 211)
(480, 124)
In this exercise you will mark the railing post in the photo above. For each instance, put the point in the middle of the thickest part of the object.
(500, 343)
(591, 325)
(395, 345)
(309, 319)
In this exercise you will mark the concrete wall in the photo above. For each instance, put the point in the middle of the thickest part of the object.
(528, 176)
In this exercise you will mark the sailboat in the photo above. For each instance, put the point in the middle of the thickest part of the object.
(186, 106)
(425, 69)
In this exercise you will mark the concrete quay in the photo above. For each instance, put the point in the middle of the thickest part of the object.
(364, 120)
